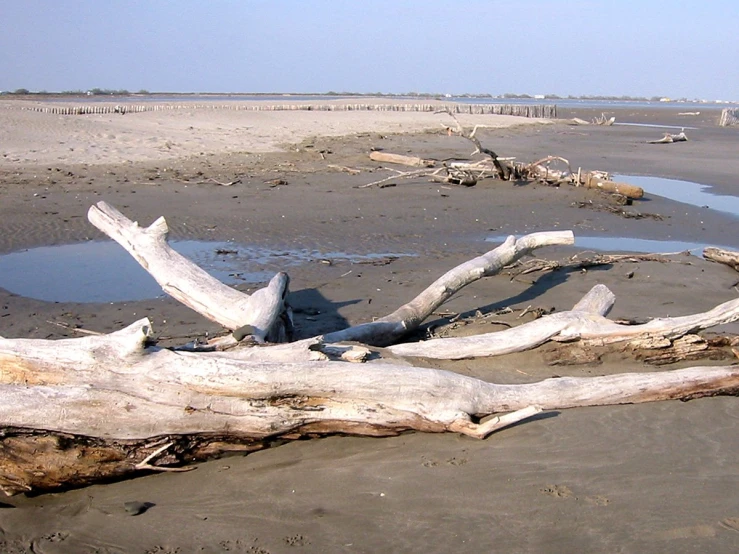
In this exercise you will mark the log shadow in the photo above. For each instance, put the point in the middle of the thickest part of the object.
(540, 286)
(314, 314)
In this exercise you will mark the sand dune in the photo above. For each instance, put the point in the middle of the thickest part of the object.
(30, 137)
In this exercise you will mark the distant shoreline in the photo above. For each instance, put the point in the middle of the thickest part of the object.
(485, 98)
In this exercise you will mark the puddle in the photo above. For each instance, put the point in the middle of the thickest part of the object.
(627, 244)
(686, 192)
(104, 272)
(656, 125)
(644, 246)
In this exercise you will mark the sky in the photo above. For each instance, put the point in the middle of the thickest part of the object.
(679, 49)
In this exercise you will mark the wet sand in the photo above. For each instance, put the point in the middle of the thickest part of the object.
(649, 478)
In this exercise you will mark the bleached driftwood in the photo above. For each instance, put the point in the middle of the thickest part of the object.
(585, 322)
(77, 411)
(454, 176)
(604, 120)
(264, 312)
(728, 257)
(541, 169)
(670, 138)
(388, 157)
(397, 176)
(502, 167)
(391, 328)
(198, 290)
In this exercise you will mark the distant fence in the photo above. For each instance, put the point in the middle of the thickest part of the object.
(548, 111)
(729, 116)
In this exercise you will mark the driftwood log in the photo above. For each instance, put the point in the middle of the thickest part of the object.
(669, 138)
(728, 257)
(595, 180)
(401, 159)
(79, 411)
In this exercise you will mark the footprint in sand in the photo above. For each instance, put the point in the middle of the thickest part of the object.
(296, 540)
(163, 550)
(457, 461)
(597, 500)
(563, 491)
(558, 491)
(699, 531)
(683, 533)
(730, 523)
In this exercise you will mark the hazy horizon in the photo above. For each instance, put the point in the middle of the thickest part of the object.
(556, 47)
(329, 94)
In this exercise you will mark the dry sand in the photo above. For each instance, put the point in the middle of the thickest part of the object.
(30, 137)
(661, 477)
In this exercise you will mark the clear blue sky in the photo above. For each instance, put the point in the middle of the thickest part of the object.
(615, 47)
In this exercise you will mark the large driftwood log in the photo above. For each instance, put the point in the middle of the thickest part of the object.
(76, 411)
(594, 180)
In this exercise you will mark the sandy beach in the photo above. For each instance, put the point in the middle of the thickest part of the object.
(659, 477)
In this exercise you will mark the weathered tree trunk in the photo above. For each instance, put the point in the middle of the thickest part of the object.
(96, 407)
(595, 181)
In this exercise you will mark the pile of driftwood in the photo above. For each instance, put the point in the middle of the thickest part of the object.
(602, 119)
(551, 170)
(85, 410)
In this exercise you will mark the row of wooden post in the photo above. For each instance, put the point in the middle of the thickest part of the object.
(548, 111)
